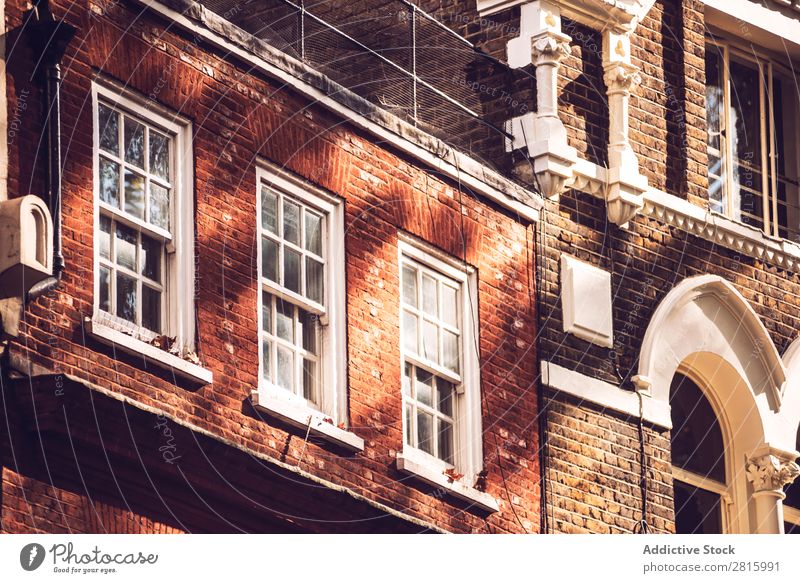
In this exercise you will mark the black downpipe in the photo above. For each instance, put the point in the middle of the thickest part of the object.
(49, 38)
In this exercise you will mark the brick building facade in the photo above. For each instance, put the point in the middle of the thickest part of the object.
(328, 277)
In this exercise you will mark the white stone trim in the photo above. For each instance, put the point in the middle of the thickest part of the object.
(161, 358)
(305, 418)
(586, 301)
(438, 479)
(605, 394)
(746, 15)
(424, 147)
(599, 14)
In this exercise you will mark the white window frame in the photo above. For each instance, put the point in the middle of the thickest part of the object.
(330, 419)
(178, 276)
(768, 67)
(468, 433)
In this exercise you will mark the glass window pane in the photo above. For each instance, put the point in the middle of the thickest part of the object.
(266, 360)
(126, 246)
(104, 237)
(430, 341)
(696, 437)
(126, 298)
(310, 380)
(109, 182)
(151, 258)
(308, 330)
(429, 295)
(425, 432)
(410, 332)
(105, 281)
(445, 397)
(269, 259)
(109, 129)
(134, 142)
(285, 367)
(134, 194)
(159, 206)
(449, 305)
(284, 320)
(291, 269)
(745, 111)
(151, 309)
(409, 423)
(291, 222)
(697, 511)
(159, 155)
(450, 351)
(269, 210)
(266, 313)
(314, 280)
(409, 276)
(313, 234)
(407, 372)
(424, 387)
(446, 441)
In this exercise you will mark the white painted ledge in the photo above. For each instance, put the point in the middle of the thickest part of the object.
(303, 417)
(434, 476)
(605, 394)
(161, 358)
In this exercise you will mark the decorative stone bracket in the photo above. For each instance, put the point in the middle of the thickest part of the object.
(551, 160)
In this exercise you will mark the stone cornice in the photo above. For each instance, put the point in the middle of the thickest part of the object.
(621, 15)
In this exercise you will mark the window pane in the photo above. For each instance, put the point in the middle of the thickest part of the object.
(284, 320)
(313, 240)
(269, 210)
(409, 285)
(291, 222)
(410, 332)
(109, 182)
(285, 366)
(445, 397)
(109, 129)
(424, 387)
(425, 432)
(159, 206)
(429, 296)
(269, 259)
(151, 309)
(745, 112)
(151, 258)
(450, 350)
(266, 360)
(104, 237)
(446, 441)
(126, 247)
(430, 341)
(314, 281)
(266, 312)
(291, 269)
(310, 380)
(449, 305)
(308, 330)
(159, 155)
(134, 142)
(697, 511)
(126, 298)
(409, 418)
(407, 371)
(696, 437)
(134, 194)
(105, 280)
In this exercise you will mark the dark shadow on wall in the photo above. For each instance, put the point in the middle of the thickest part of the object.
(675, 72)
(586, 94)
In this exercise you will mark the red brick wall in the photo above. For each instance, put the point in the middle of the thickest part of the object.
(237, 115)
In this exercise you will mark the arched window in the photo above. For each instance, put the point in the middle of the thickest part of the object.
(698, 461)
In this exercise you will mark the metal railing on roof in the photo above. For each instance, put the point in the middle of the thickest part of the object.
(391, 53)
